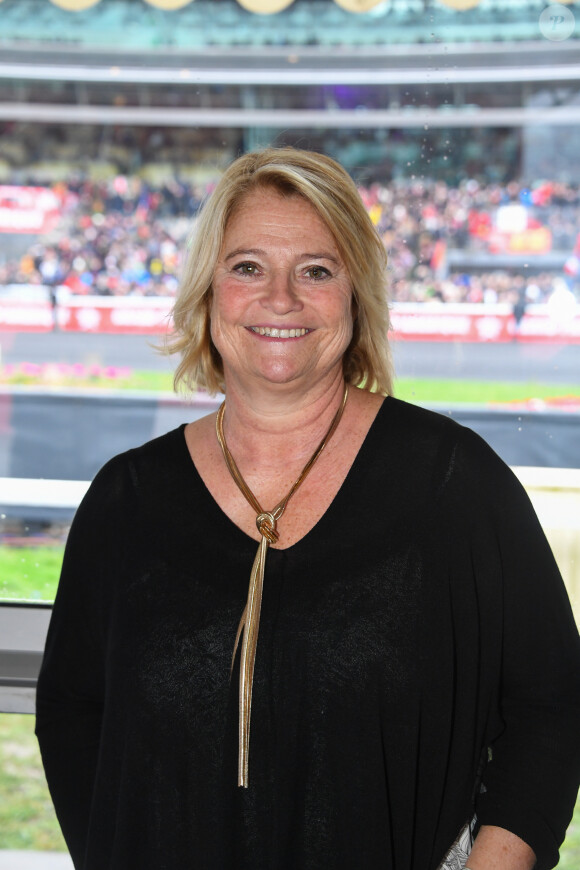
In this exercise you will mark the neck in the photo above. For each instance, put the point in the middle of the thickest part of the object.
(279, 422)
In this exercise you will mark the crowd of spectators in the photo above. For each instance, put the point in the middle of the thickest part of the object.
(117, 238)
(126, 237)
(423, 223)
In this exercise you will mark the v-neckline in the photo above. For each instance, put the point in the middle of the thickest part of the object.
(339, 495)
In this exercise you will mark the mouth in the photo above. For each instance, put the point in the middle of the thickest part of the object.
(275, 332)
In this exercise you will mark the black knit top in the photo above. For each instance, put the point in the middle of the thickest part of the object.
(421, 621)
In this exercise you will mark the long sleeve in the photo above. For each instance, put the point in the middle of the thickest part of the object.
(420, 621)
(531, 781)
(71, 685)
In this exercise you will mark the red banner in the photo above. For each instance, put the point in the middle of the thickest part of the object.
(145, 316)
(18, 316)
(471, 322)
(411, 321)
(27, 209)
(86, 314)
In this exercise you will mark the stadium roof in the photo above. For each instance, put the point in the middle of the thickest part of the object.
(127, 26)
(218, 43)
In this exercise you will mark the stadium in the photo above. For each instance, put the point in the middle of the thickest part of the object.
(459, 121)
(460, 125)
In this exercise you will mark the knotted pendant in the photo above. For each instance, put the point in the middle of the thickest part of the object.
(250, 622)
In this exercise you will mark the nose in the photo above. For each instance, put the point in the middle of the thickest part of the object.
(281, 296)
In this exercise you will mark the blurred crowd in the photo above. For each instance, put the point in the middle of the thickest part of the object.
(121, 238)
(126, 237)
(423, 223)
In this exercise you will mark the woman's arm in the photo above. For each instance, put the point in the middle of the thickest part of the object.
(498, 849)
(71, 683)
(530, 781)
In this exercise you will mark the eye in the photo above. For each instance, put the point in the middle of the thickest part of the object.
(317, 272)
(246, 268)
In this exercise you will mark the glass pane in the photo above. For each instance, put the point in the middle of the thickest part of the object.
(458, 119)
(465, 154)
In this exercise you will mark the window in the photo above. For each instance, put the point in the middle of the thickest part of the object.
(459, 120)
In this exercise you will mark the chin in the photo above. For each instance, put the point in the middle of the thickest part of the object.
(279, 377)
(282, 374)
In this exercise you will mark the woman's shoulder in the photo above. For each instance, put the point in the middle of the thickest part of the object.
(428, 439)
(410, 414)
(412, 427)
(410, 419)
(161, 457)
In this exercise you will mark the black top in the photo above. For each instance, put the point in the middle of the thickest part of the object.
(420, 621)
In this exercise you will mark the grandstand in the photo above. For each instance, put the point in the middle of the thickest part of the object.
(219, 78)
(461, 127)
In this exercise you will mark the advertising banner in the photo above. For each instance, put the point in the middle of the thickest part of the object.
(27, 209)
(86, 314)
(558, 321)
(475, 322)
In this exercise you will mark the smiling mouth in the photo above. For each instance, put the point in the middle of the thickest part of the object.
(273, 332)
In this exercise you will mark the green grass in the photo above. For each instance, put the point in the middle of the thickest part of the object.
(30, 573)
(153, 381)
(27, 819)
(480, 392)
(123, 380)
(570, 853)
(413, 389)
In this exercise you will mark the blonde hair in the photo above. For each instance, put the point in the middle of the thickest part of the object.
(332, 193)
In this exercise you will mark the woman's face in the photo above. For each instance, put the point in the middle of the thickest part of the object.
(282, 298)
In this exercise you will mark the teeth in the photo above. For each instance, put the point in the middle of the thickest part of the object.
(273, 332)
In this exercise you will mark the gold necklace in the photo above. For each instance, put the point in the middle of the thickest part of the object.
(250, 622)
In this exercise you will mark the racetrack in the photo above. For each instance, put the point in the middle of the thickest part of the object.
(121, 421)
(547, 363)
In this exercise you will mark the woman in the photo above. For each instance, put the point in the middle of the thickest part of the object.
(401, 665)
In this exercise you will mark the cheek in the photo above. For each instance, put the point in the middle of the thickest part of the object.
(348, 313)
(219, 309)
(228, 301)
(226, 313)
(216, 324)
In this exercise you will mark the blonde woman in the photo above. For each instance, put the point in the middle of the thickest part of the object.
(322, 628)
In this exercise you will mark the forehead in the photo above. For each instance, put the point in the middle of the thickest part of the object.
(267, 210)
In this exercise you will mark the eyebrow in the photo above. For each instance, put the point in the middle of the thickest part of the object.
(244, 252)
(253, 252)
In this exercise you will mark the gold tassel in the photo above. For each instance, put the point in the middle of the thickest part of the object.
(251, 626)
(250, 621)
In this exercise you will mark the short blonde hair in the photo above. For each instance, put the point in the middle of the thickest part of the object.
(332, 193)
